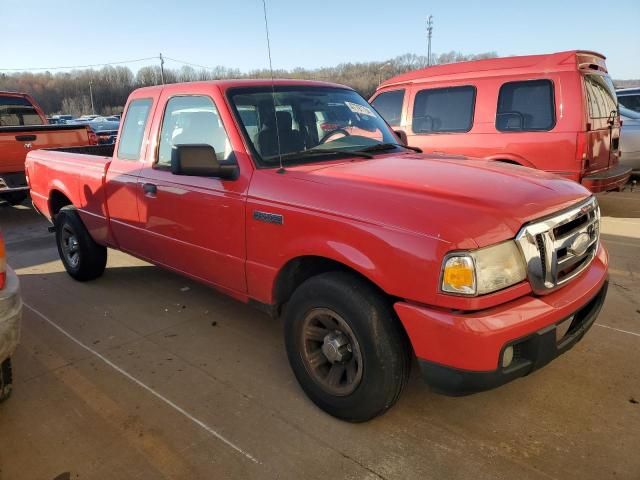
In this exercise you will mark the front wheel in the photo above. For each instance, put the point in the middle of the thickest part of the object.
(81, 256)
(345, 346)
(6, 380)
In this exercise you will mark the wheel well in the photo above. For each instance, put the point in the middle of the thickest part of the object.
(300, 269)
(504, 160)
(57, 200)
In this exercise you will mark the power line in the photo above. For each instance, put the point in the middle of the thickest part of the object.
(189, 63)
(76, 66)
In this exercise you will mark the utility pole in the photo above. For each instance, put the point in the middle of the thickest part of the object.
(93, 110)
(161, 68)
(429, 33)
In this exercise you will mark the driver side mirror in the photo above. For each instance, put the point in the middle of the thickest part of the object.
(200, 161)
(402, 136)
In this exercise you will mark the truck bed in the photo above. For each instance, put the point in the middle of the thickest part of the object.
(74, 173)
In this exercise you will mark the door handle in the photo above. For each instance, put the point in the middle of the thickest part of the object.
(149, 189)
(26, 138)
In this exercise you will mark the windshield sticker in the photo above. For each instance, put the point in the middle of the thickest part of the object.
(360, 109)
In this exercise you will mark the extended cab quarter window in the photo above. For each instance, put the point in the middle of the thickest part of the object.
(192, 120)
(135, 122)
(442, 110)
(526, 106)
(389, 105)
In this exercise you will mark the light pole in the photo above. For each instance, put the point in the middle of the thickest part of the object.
(429, 33)
(388, 64)
(93, 111)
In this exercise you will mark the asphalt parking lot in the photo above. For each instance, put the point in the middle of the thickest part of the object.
(143, 374)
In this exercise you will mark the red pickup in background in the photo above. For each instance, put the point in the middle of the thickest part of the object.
(24, 127)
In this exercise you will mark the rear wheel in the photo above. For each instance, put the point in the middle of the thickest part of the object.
(6, 380)
(345, 346)
(82, 257)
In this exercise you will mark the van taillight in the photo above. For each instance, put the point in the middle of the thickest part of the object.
(3, 264)
(582, 157)
(93, 138)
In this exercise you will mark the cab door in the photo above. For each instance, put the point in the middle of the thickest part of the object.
(121, 185)
(194, 225)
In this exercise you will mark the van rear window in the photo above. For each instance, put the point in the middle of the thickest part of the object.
(601, 96)
(526, 106)
(442, 110)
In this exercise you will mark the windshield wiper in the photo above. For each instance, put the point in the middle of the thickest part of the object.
(325, 151)
(388, 146)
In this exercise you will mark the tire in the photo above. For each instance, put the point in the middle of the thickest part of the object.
(82, 257)
(15, 198)
(377, 346)
(6, 380)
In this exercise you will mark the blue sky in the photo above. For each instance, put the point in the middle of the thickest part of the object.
(43, 33)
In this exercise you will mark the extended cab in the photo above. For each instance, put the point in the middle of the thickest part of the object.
(371, 251)
(556, 112)
(24, 127)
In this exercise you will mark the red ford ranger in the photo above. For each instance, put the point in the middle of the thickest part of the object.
(371, 251)
(23, 127)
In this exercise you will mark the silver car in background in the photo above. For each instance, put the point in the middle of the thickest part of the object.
(630, 139)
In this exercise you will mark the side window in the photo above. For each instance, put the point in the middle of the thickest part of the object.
(441, 110)
(526, 106)
(389, 105)
(135, 121)
(192, 120)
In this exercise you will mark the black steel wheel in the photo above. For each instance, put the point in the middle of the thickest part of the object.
(6, 380)
(81, 256)
(345, 346)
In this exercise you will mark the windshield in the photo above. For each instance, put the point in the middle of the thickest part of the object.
(16, 111)
(302, 124)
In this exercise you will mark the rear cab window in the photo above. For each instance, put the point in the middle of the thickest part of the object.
(135, 123)
(193, 120)
(526, 106)
(18, 111)
(389, 105)
(444, 110)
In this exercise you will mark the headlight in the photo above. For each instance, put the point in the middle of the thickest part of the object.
(483, 271)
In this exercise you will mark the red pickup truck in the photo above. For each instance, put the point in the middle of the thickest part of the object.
(23, 127)
(369, 250)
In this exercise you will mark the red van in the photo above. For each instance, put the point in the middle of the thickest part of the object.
(555, 112)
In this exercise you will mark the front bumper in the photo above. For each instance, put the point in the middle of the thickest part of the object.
(612, 179)
(460, 352)
(10, 315)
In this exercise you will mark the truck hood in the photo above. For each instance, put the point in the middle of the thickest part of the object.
(467, 202)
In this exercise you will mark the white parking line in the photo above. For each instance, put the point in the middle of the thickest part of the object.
(200, 423)
(618, 330)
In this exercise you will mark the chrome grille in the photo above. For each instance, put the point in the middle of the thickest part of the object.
(558, 248)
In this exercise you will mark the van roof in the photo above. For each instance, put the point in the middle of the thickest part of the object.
(569, 60)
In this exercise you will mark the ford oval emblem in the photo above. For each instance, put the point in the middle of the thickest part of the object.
(580, 244)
